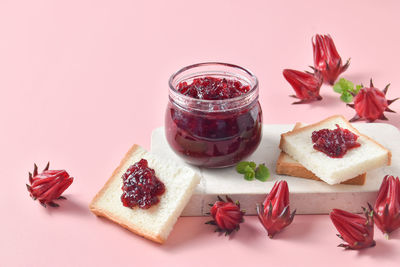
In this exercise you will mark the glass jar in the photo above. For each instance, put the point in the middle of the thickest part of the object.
(213, 133)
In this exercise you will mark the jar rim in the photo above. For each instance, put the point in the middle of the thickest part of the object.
(253, 85)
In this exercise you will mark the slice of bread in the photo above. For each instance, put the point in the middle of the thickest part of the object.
(287, 166)
(156, 222)
(368, 156)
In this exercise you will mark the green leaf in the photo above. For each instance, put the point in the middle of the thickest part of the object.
(346, 89)
(262, 173)
(253, 165)
(250, 174)
(248, 169)
(358, 88)
(241, 166)
(346, 97)
(337, 88)
(346, 84)
(251, 171)
(343, 85)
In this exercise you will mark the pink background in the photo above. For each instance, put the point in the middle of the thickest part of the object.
(81, 81)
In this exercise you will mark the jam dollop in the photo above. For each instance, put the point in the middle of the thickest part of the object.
(212, 88)
(334, 143)
(140, 186)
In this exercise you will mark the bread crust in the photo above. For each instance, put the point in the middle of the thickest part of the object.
(298, 170)
(104, 213)
(296, 131)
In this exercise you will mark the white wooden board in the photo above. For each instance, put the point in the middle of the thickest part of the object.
(307, 196)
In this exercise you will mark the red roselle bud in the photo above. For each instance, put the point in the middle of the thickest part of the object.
(274, 214)
(227, 215)
(370, 104)
(305, 84)
(354, 229)
(387, 205)
(48, 185)
(326, 58)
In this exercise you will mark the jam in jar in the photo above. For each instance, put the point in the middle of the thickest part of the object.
(213, 118)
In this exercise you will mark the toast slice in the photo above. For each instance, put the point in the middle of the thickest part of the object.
(287, 166)
(156, 222)
(368, 156)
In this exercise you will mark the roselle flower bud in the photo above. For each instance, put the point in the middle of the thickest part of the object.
(354, 229)
(226, 215)
(305, 84)
(370, 104)
(48, 185)
(274, 214)
(387, 205)
(326, 58)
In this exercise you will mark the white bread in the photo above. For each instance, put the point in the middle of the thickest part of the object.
(368, 156)
(156, 222)
(285, 165)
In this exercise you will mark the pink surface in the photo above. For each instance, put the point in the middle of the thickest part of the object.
(81, 81)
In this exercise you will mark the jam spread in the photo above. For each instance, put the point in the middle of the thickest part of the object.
(140, 186)
(334, 143)
(211, 88)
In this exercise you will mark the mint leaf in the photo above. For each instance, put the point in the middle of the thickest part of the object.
(346, 97)
(250, 174)
(248, 169)
(346, 89)
(251, 171)
(338, 88)
(241, 166)
(343, 85)
(358, 88)
(262, 173)
(252, 165)
(346, 84)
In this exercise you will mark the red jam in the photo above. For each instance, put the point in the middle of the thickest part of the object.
(210, 88)
(219, 125)
(334, 143)
(140, 186)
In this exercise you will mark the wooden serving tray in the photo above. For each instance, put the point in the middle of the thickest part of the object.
(306, 196)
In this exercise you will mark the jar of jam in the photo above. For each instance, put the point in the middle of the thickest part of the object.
(213, 118)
